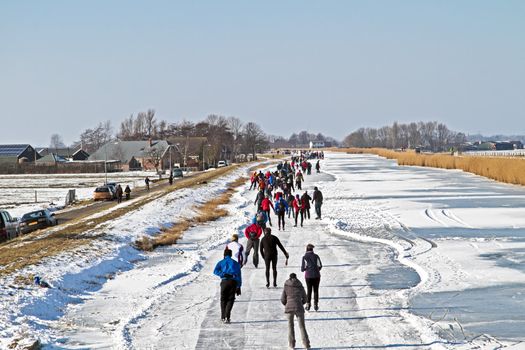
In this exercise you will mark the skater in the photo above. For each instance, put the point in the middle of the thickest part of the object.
(229, 271)
(237, 249)
(127, 190)
(296, 207)
(318, 202)
(260, 219)
(309, 168)
(269, 244)
(305, 205)
(266, 204)
(293, 299)
(258, 199)
(311, 265)
(119, 193)
(299, 180)
(253, 234)
(289, 201)
(147, 181)
(280, 208)
(317, 166)
(254, 180)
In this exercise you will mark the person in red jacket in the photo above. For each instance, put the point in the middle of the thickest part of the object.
(253, 234)
(266, 205)
(296, 205)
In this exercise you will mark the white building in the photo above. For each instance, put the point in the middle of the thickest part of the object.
(317, 144)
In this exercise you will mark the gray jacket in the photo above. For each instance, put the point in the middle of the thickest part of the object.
(311, 265)
(293, 297)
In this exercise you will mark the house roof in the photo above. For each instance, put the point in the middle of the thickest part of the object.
(65, 152)
(124, 151)
(12, 150)
(51, 158)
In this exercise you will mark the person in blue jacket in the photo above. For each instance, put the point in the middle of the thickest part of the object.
(280, 208)
(229, 271)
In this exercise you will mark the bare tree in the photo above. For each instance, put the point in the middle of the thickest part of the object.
(254, 138)
(126, 131)
(155, 156)
(235, 127)
(150, 123)
(56, 141)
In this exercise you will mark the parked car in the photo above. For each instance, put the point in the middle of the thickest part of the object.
(177, 172)
(103, 193)
(8, 226)
(36, 220)
(113, 187)
(221, 164)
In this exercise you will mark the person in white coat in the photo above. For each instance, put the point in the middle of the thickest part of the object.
(238, 253)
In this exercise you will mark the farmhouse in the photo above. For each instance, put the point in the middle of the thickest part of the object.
(11, 155)
(133, 155)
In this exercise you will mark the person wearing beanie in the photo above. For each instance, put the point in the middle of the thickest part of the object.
(229, 271)
(311, 265)
(237, 250)
(293, 298)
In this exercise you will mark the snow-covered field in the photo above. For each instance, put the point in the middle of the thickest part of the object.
(20, 194)
(414, 258)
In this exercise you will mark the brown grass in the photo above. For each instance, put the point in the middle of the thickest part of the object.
(206, 212)
(508, 170)
(33, 248)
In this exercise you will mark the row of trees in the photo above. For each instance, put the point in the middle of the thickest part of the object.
(226, 137)
(433, 136)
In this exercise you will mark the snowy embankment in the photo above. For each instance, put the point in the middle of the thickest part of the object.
(28, 311)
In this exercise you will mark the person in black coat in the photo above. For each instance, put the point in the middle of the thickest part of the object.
(311, 265)
(268, 248)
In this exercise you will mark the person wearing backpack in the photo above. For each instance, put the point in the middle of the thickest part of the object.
(252, 234)
(280, 208)
(318, 202)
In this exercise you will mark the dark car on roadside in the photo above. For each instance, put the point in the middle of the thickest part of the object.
(36, 220)
(8, 226)
(113, 187)
(177, 172)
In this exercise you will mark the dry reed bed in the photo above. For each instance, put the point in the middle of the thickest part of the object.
(508, 170)
(206, 212)
(33, 248)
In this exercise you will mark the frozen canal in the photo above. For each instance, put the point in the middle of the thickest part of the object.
(476, 271)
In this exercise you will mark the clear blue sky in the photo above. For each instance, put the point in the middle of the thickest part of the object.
(325, 66)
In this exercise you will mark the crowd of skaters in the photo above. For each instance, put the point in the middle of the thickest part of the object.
(276, 197)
